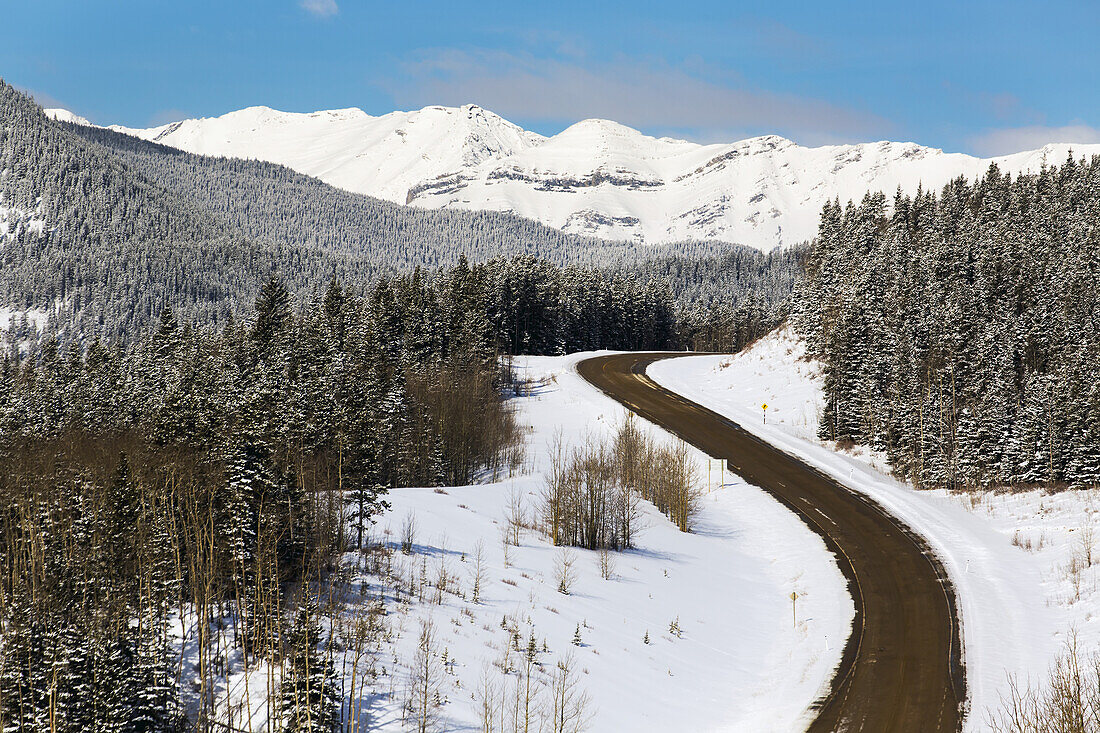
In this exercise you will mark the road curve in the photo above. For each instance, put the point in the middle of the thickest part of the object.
(901, 669)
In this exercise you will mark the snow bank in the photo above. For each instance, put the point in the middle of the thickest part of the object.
(12, 328)
(1018, 561)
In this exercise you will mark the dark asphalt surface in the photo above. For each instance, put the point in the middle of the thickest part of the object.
(901, 669)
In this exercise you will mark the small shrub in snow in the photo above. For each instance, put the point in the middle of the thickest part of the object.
(565, 572)
(478, 571)
(592, 494)
(424, 694)
(1068, 700)
(408, 533)
(607, 564)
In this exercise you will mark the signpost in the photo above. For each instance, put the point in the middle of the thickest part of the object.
(765, 408)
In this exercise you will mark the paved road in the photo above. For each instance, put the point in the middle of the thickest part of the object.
(901, 669)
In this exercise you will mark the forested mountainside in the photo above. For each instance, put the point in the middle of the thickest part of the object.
(110, 244)
(961, 333)
(108, 229)
(719, 288)
(272, 203)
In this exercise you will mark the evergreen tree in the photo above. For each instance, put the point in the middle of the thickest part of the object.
(309, 694)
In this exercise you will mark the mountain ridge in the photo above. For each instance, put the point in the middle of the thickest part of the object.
(596, 177)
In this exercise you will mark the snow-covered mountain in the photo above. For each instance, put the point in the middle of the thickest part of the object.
(596, 177)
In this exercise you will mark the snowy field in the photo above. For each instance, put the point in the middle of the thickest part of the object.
(723, 652)
(1023, 564)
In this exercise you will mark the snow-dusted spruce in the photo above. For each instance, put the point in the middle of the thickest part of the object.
(960, 334)
(163, 504)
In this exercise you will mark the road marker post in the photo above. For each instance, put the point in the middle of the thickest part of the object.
(794, 609)
(764, 407)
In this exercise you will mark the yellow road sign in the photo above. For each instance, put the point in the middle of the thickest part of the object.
(764, 406)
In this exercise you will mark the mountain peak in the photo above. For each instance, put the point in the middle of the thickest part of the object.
(596, 177)
(602, 127)
(64, 115)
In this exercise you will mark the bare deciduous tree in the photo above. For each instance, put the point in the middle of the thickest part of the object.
(408, 533)
(1068, 701)
(565, 572)
(592, 494)
(478, 572)
(567, 710)
(425, 688)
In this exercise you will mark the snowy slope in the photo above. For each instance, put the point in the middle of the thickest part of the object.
(740, 663)
(1023, 564)
(383, 156)
(739, 666)
(65, 115)
(14, 221)
(596, 177)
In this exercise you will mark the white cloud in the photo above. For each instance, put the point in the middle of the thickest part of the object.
(164, 116)
(1015, 139)
(44, 99)
(321, 8)
(635, 92)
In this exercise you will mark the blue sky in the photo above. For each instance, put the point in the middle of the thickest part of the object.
(973, 77)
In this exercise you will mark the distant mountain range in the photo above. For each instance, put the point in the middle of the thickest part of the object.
(595, 178)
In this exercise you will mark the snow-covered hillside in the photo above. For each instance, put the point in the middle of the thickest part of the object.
(737, 664)
(687, 631)
(1025, 565)
(596, 177)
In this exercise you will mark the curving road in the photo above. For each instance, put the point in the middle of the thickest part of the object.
(902, 668)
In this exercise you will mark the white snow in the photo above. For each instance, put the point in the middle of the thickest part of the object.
(14, 221)
(741, 664)
(1022, 564)
(35, 316)
(596, 177)
(11, 330)
(64, 115)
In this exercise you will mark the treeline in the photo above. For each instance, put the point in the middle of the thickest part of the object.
(961, 333)
(533, 307)
(196, 481)
(724, 302)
